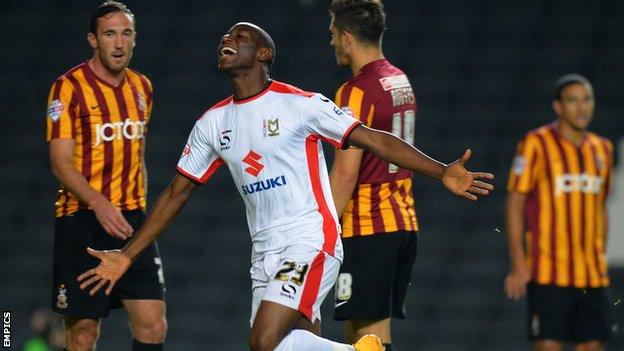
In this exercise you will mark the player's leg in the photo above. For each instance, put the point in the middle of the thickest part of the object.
(298, 281)
(273, 330)
(141, 291)
(589, 346)
(303, 340)
(356, 328)
(548, 345)
(82, 312)
(550, 316)
(295, 280)
(272, 324)
(364, 310)
(375, 273)
(306, 324)
(149, 326)
(402, 275)
(81, 334)
(592, 320)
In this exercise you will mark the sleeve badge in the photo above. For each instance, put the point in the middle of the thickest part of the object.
(519, 164)
(55, 109)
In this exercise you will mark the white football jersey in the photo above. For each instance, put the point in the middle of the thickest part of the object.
(271, 144)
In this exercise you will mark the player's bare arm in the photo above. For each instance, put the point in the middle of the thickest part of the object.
(519, 275)
(114, 263)
(392, 149)
(344, 175)
(63, 168)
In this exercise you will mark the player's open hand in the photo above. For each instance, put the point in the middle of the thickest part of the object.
(465, 183)
(113, 265)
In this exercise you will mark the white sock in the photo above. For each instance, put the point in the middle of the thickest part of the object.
(303, 340)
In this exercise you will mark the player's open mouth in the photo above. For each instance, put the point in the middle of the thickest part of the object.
(118, 55)
(227, 51)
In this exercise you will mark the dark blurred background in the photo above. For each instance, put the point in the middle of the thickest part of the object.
(483, 72)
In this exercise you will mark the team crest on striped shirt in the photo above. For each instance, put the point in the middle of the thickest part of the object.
(55, 109)
(142, 105)
(599, 163)
(61, 298)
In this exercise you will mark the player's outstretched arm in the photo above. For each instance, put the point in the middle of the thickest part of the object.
(114, 263)
(392, 149)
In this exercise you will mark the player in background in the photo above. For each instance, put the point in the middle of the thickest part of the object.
(373, 197)
(268, 134)
(96, 125)
(557, 221)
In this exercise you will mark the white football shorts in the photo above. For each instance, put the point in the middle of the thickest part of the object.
(299, 277)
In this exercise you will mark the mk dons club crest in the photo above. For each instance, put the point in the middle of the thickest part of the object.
(270, 127)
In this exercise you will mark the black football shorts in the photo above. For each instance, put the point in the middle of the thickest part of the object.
(72, 234)
(567, 314)
(374, 276)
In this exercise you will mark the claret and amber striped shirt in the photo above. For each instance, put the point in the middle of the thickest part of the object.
(565, 213)
(109, 125)
(381, 96)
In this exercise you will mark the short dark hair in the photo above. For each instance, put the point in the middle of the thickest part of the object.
(567, 80)
(106, 8)
(365, 19)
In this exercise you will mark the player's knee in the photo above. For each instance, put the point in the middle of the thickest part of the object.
(260, 345)
(590, 346)
(262, 342)
(152, 331)
(548, 345)
(83, 338)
